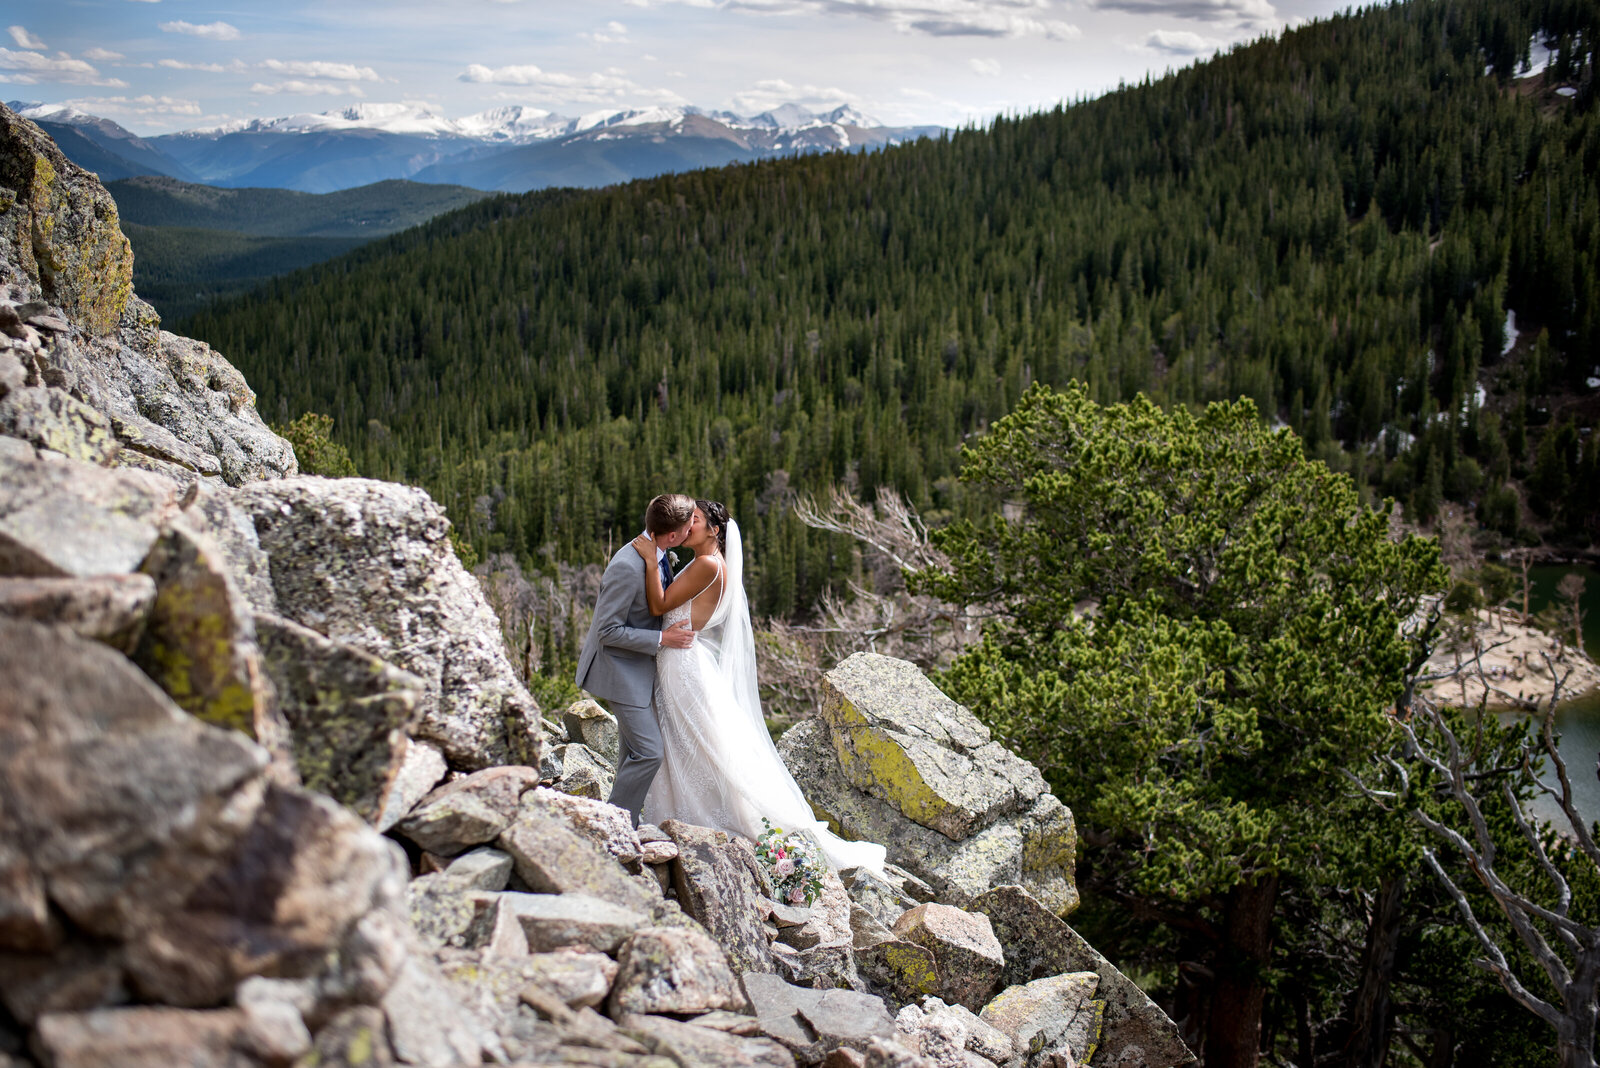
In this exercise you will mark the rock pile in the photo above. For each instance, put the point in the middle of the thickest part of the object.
(272, 795)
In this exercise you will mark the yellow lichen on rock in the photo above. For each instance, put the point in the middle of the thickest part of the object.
(69, 236)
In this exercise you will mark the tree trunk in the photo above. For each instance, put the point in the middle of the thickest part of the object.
(1580, 1005)
(1233, 1039)
(1368, 1043)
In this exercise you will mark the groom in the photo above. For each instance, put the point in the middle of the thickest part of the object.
(618, 658)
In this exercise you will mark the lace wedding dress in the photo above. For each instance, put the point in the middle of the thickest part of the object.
(719, 767)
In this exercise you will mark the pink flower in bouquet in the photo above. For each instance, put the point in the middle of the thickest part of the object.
(784, 868)
(797, 896)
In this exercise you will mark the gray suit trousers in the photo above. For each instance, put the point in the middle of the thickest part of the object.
(638, 757)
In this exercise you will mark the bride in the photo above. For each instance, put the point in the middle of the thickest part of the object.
(719, 767)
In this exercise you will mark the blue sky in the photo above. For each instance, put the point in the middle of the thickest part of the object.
(161, 65)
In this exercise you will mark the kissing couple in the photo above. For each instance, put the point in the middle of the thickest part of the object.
(674, 655)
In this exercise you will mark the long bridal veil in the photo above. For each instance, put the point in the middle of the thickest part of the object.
(764, 780)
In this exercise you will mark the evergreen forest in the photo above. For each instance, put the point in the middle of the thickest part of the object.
(1379, 230)
(1337, 223)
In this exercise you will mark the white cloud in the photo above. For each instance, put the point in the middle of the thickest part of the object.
(296, 87)
(29, 68)
(1240, 11)
(1180, 43)
(25, 39)
(18, 79)
(773, 92)
(212, 31)
(316, 68)
(610, 86)
(988, 68)
(179, 64)
(102, 55)
(936, 18)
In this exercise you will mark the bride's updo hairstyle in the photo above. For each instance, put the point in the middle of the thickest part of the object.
(716, 514)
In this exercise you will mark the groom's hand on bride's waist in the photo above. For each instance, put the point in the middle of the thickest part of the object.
(677, 636)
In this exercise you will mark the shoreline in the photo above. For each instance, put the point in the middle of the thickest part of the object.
(1511, 672)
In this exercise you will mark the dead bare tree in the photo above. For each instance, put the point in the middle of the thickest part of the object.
(1566, 948)
(877, 614)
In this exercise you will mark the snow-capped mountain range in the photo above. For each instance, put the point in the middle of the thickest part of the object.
(514, 148)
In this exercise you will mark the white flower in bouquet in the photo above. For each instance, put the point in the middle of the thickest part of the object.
(784, 868)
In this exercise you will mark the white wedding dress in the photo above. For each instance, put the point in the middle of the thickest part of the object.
(719, 767)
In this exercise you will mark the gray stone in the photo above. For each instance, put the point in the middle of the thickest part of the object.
(199, 642)
(427, 1025)
(577, 977)
(75, 975)
(147, 378)
(606, 825)
(49, 418)
(480, 869)
(1035, 849)
(230, 528)
(594, 727)
(370, 563)
(104, 608)
(576, 769)
(118, 805)
(903, 971)
(1038, 944)
(347, 711)
(976, 1035)
(657, 853)
(552, 858)
(899, 738)
(1046, 1013)
(422, 765)
(61, 228)
(61, 517)
(443, 911)
(873, 892)
(297, 884)
(673, 969)
(965, 951)
(556, 921)
(148, 1038)
(812, 1023)
(690, 1046)
(355, 1038)
(718, 884)
(468, 811)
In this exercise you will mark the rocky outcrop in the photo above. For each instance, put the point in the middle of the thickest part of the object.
(59, 227)
(369, 564)
(219, 682)
(85, 370)
(891, 759)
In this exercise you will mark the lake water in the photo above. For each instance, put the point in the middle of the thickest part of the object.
(1577, 720)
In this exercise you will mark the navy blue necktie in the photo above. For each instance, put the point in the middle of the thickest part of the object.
(666, 572)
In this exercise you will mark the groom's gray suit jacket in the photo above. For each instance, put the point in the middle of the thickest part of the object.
(618, 661)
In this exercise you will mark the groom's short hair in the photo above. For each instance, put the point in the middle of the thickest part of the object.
(667, 513)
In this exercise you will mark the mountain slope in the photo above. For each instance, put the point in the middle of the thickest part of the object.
(195, 243)
(1334, 224)
(367, 211)
(98, 144)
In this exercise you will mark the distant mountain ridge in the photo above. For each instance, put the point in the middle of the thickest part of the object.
(511, 149)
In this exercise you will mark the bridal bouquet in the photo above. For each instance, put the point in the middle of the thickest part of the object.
(792, 864)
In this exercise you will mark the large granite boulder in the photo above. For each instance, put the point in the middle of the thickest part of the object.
(1038, 944)
(676, 970)
(60, 227)
(966, 954)
(370, 564)
(891, 759)
(346, 712)
(60, 518)
(719, 884)
(104, 608)
(146, 852)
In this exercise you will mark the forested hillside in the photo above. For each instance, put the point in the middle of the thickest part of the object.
(1334, 223)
